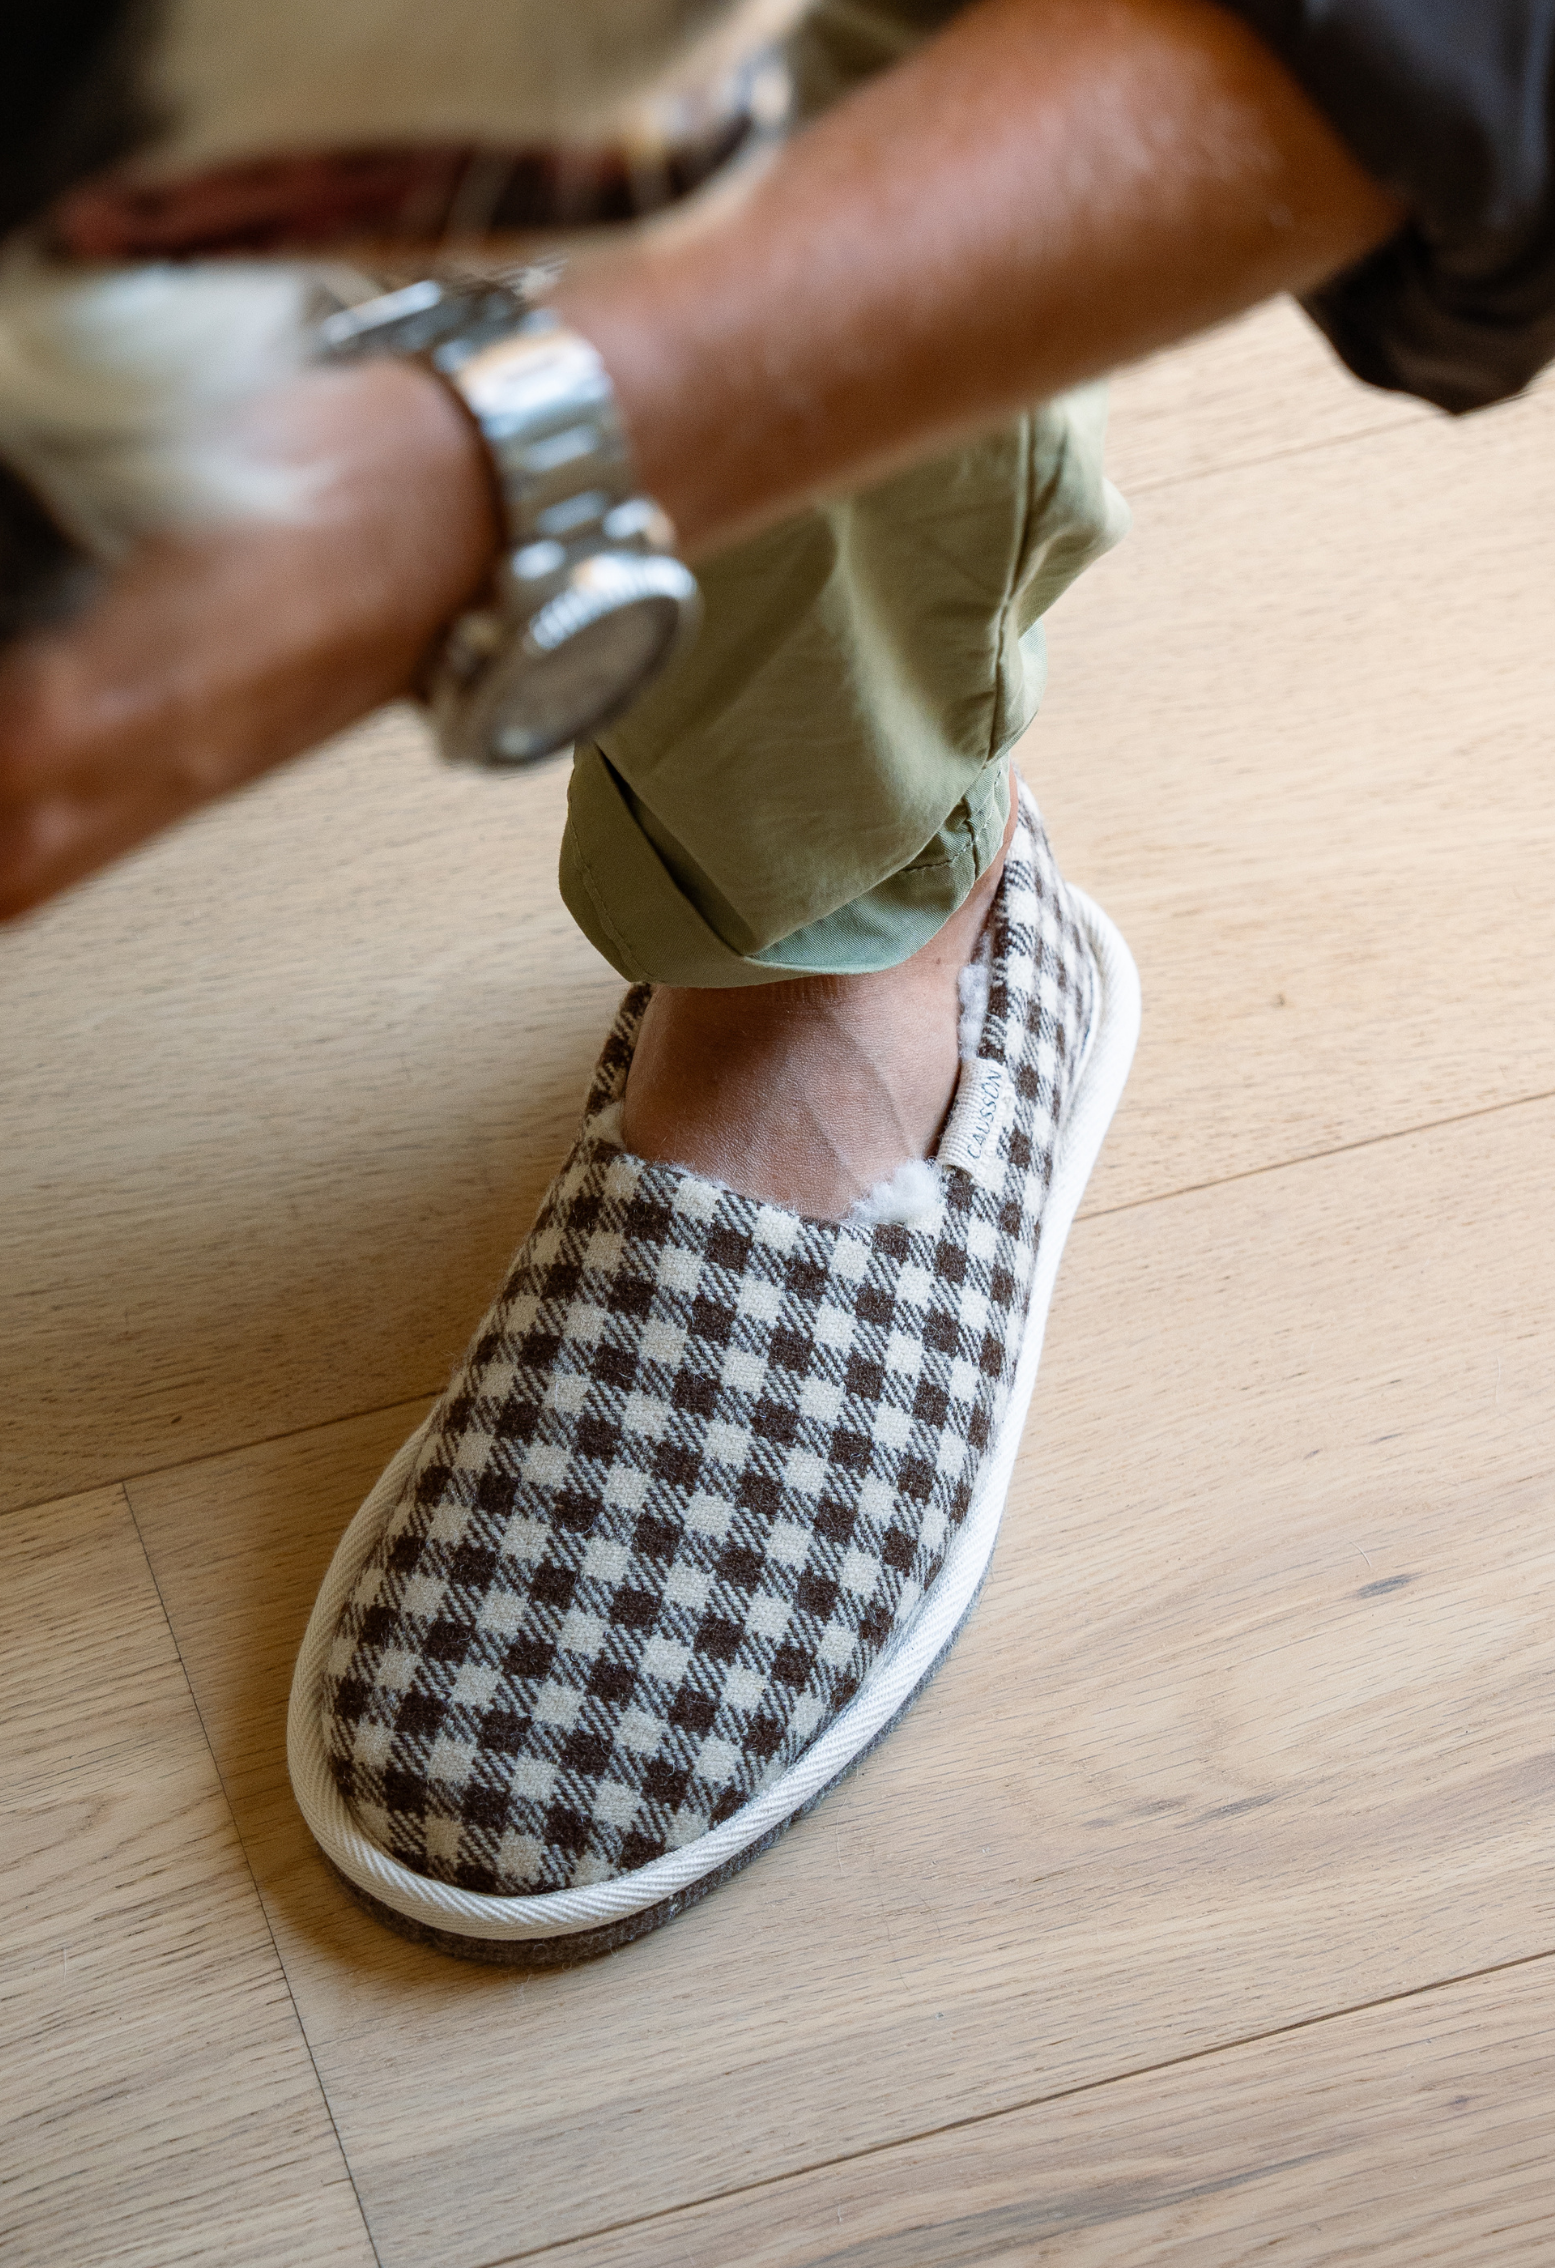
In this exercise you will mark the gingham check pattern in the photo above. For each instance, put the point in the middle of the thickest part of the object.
(702, 1460)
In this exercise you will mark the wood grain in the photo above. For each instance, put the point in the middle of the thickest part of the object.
(1251, 1727)
(1298, 744)
(1251, 1730)
(1261, 389)
(1415, 2135)
(156, 2094)
(278, 1091)
(282, 1092)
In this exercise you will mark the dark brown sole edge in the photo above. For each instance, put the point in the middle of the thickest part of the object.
(588, 1945)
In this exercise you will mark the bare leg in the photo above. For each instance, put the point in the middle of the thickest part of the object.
(811, 1091)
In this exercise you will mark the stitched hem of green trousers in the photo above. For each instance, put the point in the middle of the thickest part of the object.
(819, 783)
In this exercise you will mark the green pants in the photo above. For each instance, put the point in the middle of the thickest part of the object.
(819, 783)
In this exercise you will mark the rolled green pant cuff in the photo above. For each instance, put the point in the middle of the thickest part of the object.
(647, 927)
(818, 784)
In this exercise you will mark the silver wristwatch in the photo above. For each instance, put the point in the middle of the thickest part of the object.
(589, 601)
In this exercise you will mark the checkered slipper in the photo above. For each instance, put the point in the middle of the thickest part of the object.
(710, 1497)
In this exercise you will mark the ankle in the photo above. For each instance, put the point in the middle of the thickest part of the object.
(807, 1093)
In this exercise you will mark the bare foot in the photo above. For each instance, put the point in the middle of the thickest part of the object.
(809, 1092)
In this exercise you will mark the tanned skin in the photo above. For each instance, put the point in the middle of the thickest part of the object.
(1050, 189)
(1047, 190)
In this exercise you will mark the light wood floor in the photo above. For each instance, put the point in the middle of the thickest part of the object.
(1204, 1912)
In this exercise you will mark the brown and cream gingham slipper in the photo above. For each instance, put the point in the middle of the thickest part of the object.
(710, 1497)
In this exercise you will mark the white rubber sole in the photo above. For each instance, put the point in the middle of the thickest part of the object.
(604, 1914)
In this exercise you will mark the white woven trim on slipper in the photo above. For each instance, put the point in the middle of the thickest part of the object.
(900, 1669)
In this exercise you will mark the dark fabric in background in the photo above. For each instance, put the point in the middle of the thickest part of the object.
(1452, 104)
(68, 98)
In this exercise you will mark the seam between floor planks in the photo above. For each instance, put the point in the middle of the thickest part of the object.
(248, 1868)
(150, 1450)
(139, 1904)
(127, 1481)
(1164, 483)
(1155, 2066)
(1314, 1157)
(987, 2119)
(1086, 1213)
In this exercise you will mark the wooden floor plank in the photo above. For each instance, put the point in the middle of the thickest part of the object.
(1416, 2135)
(1298, 743)
(1264, 387)
(157, 2098)
(1252, 1726)
(282, 1091)
(277, 1091)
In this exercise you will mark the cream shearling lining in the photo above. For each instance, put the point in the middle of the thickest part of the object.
(913, 1193)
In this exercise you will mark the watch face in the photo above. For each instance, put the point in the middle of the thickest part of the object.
(563, 689)
(584, 657)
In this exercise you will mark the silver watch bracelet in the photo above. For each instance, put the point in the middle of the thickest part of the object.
(589, 601)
